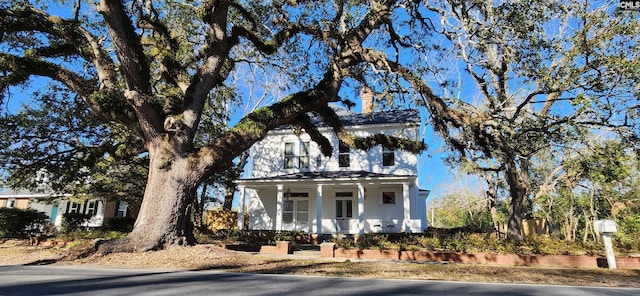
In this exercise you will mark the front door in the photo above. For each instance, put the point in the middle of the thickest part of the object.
(344, 211)
(295, 213)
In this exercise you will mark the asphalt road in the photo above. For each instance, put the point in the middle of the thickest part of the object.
(52, 280)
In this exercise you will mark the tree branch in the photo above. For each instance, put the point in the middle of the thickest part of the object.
(85, 44)
(134, 65)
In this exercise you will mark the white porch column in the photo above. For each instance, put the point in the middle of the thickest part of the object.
(279, 197)
(100, 211)
(360, 209)
(241, 207)
(406, 202)
(319, 209)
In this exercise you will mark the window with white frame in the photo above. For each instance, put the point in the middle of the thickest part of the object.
(74, 207)
(344, 204)
(388, 157)
(295, 210)
(294, 160)
(12, 203)
(388, 197)
(304, 155)
(343, 155)
(92, 208)
(289, 156)
(122, 209)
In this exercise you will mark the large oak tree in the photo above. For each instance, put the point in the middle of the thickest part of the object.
(151, 66)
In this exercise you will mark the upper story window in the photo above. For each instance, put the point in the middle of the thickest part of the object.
(289, 156)
(388, 156)
(343, 155)
(304, 155)
(293, 160)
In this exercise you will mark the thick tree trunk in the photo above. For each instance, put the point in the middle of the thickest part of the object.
(516, 179)
(492, 200)
(164, 218)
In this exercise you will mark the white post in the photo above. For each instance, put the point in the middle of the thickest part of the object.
(241, 208)
(279, 198)
(407, 207)
(608, 247)
(361, 209)
(319, 209)
(606, 227)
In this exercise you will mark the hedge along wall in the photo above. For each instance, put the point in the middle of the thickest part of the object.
(217, 220)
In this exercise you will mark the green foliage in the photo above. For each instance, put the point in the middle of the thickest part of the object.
(72, 222)
(461, 209)
(628, 235)
(599, 181)
(17, 223)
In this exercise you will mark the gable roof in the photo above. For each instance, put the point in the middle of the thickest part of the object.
(349, 118)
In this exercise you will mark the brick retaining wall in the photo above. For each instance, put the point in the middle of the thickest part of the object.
(328, 250)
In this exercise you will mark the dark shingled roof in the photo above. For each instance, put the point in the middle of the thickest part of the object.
(329, 175)
(381, 117)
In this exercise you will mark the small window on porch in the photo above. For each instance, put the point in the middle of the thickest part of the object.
(388, 198)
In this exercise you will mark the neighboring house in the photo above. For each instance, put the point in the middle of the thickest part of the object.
(294, 187)
(55, 206)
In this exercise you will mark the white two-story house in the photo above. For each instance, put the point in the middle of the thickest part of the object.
(292, 186)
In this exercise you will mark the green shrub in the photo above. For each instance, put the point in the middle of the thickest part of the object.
(121, 224)
(17, 223)
(344, 241)
(73, 221)
(429, 243)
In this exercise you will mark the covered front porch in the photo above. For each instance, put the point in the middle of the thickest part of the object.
(333, 203)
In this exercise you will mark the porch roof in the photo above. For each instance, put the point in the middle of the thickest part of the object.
(348, 118)
(23, 193)
(328, 177)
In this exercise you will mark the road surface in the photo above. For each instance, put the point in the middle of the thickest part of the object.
(55, 280)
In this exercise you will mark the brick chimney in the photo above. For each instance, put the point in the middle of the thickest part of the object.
(366, 95)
